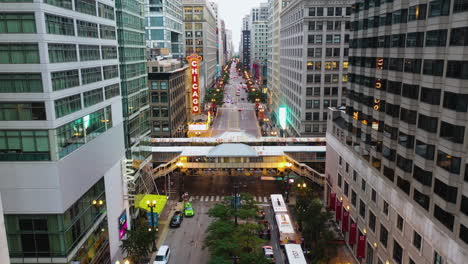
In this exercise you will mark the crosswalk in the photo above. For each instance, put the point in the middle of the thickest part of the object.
(218, 198)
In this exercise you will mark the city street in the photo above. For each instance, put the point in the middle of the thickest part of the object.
(236, 115)
(186, 242)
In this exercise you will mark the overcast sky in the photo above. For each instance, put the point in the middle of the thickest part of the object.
(232, 11)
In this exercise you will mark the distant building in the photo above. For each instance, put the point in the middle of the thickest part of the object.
(273, 61)
(200, 38)
(168, 102)
(164, 23)
(246, 48)
(314, 62)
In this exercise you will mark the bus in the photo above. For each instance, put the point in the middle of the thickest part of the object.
(286, 232)
(294, 254)
(278, 204)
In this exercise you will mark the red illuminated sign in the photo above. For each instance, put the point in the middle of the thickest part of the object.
(194, 61)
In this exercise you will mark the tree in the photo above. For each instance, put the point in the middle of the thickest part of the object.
(313, 219)
(138, 243)
(226, 240)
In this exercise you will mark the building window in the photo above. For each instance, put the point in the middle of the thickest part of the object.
(438, 258)
(112, 90)
(86, 6)
(68, 4)
(415, 39)
(346, 189)
(439, 8)
(64, 79)
(93, 97)
(455, 101)
(87, 29)
(24, 145)
(383, 235)
(107, 32)
(106, 11)
(353, 198)
(22, 111)
(446, 192)
(88, 52)
(452, 133)
(436, 38)
(59, 25)
(425, 150)
(109, 52)
(385, 208)
(111, 71)
(397, 252)
(59, 53)
(428, 123)
(422, 176)
(362, 209)
(67, 105)
(17, 23)
(90, 75)
(374, 195)
(20, 83)
(457, 69)
(19, 53)
(448, 162)
(73, 135)
(404, 164)
(446, 218)
(422, 199)
(433, 67)
(417, 240)
(417, 12)
(372, 221)
(410, 91)
(400, 222)
(463, 233)
(404, 185)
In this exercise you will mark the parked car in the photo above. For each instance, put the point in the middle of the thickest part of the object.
(163, 254)
(269, 254)
(176, 219)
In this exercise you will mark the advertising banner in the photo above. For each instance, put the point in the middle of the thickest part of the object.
(338, 210)
(123, 224)
(352, 234)
(332, 201)
(345, 223)
(361, 247)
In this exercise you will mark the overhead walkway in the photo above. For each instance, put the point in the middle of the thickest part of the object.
(239, 159)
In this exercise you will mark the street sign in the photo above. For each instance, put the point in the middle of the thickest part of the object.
(156, 222)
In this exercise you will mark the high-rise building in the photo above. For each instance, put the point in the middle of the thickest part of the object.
(229, 45)
(164, 28)
(314, 51)
(61, 131)
(258, 42)
(397, 157)
(222, 43)
(246, 48)
(273, 61)
(167, 82)
(4, 255)
(132, 56)
(200, 38)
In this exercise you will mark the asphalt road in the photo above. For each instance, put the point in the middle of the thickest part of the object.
(186, 241)
(224, 185)
(229, 118)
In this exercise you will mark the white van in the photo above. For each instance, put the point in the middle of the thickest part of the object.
(162, 257)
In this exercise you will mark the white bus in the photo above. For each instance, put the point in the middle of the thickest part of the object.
(286, 231)
(278, 204)
(294, 254)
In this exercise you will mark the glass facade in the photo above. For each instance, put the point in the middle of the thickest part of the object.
(24, 145)
(55, 235)
(73, 135)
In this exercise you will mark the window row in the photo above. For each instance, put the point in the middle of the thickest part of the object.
(65, 26)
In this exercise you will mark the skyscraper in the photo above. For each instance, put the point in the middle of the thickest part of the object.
(164, 28)
(273, 61)
(132, 57)
(200, 38)
(314, 51)
(258, 42)
(61, 130)
(397, 157)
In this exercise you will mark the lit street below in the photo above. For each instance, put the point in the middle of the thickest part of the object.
(236, 115)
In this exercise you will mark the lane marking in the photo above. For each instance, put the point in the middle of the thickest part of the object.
(207, 198)
(217, 198)
(191, 198)
(212, 198)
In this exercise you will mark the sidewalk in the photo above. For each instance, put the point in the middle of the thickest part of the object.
(164, 220)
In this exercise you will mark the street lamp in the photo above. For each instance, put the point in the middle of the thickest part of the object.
(152, 205)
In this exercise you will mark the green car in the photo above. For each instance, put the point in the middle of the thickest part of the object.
(188, 209)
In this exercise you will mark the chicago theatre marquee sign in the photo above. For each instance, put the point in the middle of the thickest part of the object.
(194, 61)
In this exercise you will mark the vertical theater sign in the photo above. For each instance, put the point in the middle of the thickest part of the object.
(194, 61)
